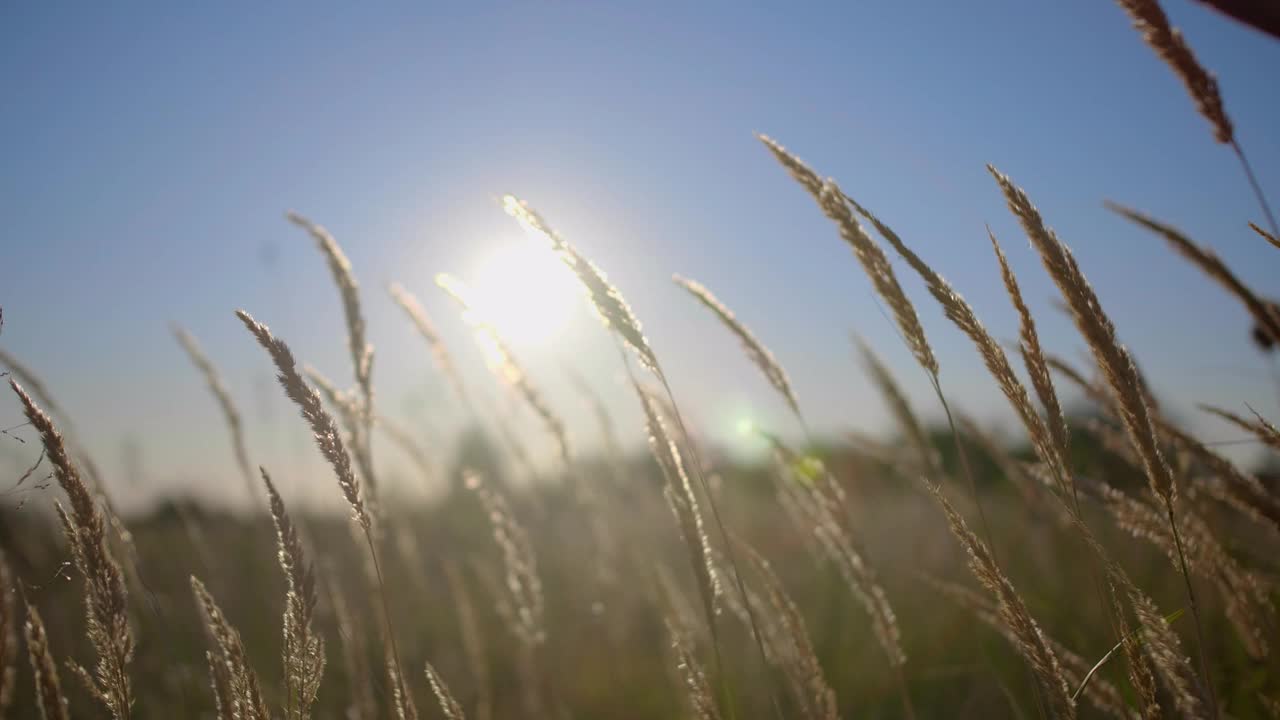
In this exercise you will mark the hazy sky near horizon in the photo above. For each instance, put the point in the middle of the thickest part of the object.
(151, 151)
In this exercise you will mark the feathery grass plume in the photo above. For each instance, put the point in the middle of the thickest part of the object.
(1275, 242)
(873, 260)
(684, 503)
(1229, 485)
(1127, 386)
(898, 405)
(959, 312)
(1244, 595)
(777, 647)
(244, 690)
(1163, 647)
(1112, 357)
(329, 440)
(1140, 671)
(1168, 43)
(49, 698)
(448, 705)
(1264, 313)
(303, 650)
(38, 390)
(665, 593)
(340, 267)
(1148, 650)
(351, 413)
(220, 393)
(823, 503)
(697, 688)
(9, 623)
(1240, 491)
(835, 204)
(528, 679)
(521, 565)
(35, 386)
(798, 170)
(1158, 650)
(612, 309)
(756, 351)
(610, 306)
(1260, 427)
(1030, 640)
(401, 698)
(1100, 693)
(1142, 660)
(804, 671)
(472, 640)
(220, 684)
(361, 351)
(439, 351)
(346, 404)
(1159, 645)
(795, 502)
(502, 363)
(325, 431)
(1033, 360)
(1027, 478)
(106, 601)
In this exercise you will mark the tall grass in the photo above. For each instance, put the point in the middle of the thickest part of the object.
(576, 565)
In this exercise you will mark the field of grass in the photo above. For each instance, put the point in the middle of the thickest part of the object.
(1106, 563)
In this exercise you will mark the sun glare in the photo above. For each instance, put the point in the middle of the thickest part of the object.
(526, 292)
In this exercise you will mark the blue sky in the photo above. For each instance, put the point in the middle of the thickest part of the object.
(151, 150)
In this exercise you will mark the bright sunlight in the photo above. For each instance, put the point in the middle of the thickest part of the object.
(524, 290)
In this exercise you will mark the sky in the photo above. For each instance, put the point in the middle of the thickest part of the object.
(151, 151)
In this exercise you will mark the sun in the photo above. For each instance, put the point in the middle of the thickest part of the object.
(526, 293)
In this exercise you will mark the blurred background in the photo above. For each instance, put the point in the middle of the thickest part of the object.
(151, 153)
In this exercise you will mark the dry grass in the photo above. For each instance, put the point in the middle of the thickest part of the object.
(1259, 427)
(756, 351)
(610, 306)
(323, 428)
(222, 394)
(1026, 633)
(697, 688)
(502, 362)
(52, 703)
(340, 268)
(451, 708)
(832, 201)
(1167, 42)
(328, 439)
(426, 328)
(1265, 314)
(106, 600)
(525, 604)
(236, 684)
(302, 651)
(576, 567)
